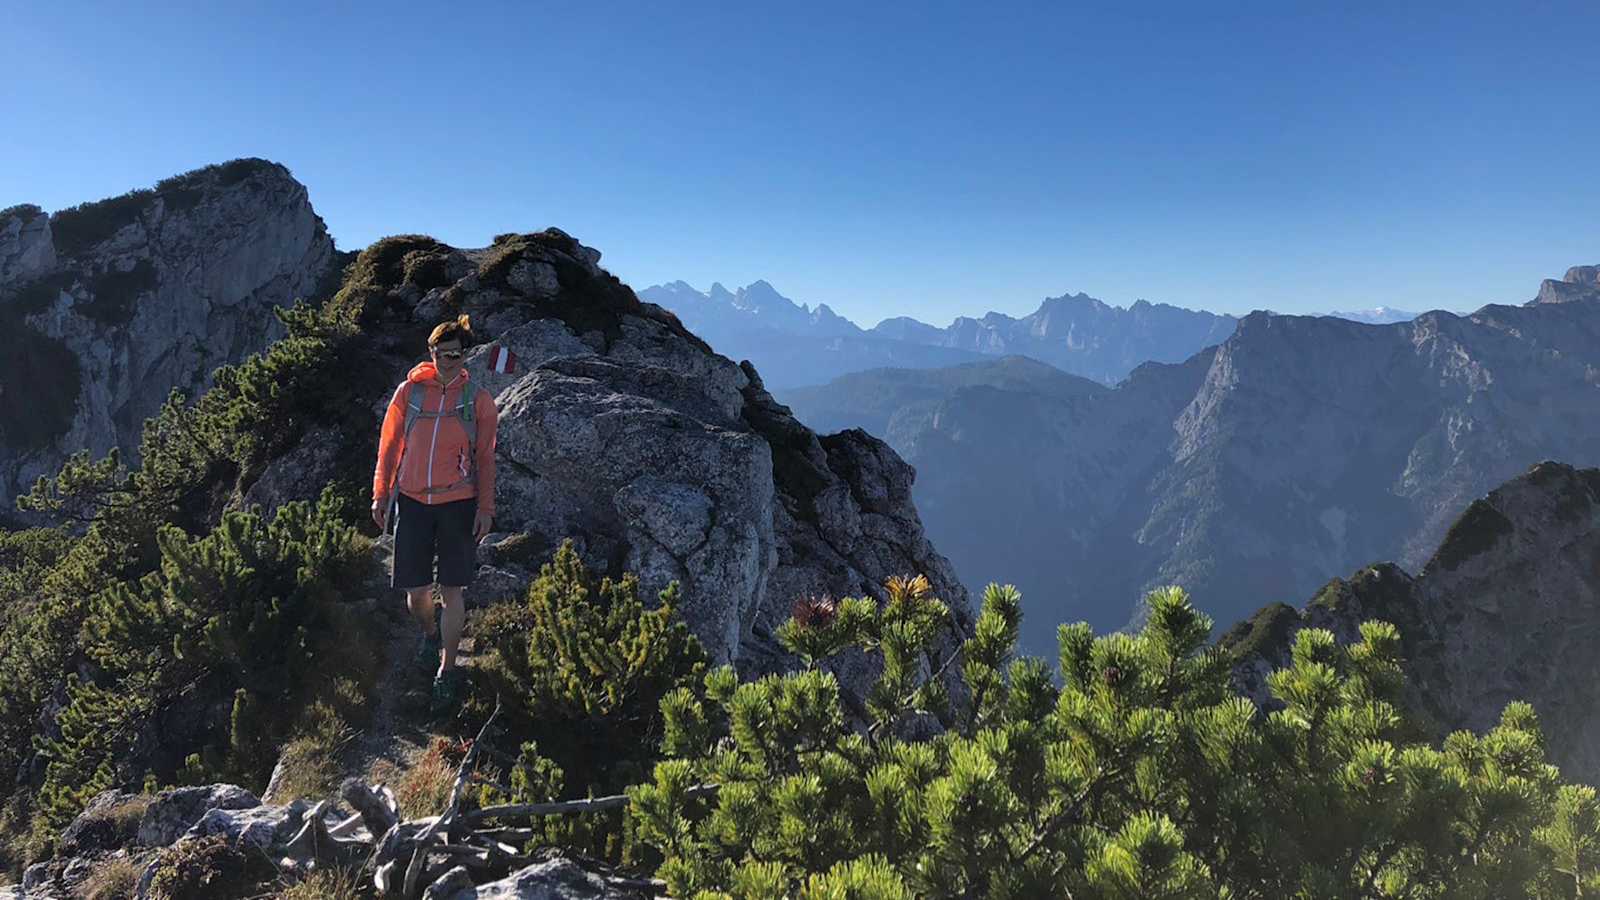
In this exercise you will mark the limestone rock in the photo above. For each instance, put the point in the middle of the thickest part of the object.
(259, 826)
(558, 879)
(311, 462)
(1580, 283)
(96, 829)
(187, 283)
(174, 812)
(26, 250)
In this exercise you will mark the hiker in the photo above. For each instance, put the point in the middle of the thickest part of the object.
(435, 478)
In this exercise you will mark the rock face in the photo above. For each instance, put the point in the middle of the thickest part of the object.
(141, 295)
(1580, 283)
(558, 879)
(623, 430)
(1505, 609)
(1300, 448)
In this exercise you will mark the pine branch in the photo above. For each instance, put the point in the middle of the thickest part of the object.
(901, 703)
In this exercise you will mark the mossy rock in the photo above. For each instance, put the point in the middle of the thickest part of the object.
(1264, 634)
(364, 297)
(210, 868)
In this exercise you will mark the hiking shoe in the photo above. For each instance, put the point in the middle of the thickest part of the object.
(428, 650)
(446, 692)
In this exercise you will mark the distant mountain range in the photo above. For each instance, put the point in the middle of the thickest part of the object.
(793, 344)
(1298, 449)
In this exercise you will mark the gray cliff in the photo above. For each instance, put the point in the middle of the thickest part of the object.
(123, 301)
(1505, 609)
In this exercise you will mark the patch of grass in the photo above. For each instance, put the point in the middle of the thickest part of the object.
(327, 884)
(311, 761)
(113, 879)
(423, 788)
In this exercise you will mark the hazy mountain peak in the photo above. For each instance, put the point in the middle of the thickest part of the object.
(1378, 315)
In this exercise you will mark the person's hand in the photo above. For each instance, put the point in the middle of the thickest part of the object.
(480, 525)
(380, 513)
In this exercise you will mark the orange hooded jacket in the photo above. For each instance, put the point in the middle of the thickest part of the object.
(439, 454)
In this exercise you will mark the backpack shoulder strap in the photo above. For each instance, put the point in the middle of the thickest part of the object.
(467, 411)
(413, 406)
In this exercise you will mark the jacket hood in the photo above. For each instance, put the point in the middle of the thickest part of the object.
(427, 372)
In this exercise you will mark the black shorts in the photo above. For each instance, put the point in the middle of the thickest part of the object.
(421, 531)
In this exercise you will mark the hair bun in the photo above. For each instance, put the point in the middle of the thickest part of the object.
(465, 321)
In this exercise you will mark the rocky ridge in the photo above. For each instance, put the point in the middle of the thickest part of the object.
(1503, 610)
(123, 301)
(625, 431)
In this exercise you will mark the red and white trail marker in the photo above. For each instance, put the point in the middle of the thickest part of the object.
(502, 360)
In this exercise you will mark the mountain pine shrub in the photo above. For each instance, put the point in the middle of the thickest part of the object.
(1137, 774)
(249, 612)
(582, 666)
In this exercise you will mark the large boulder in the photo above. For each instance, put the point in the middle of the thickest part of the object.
(174, 812)
(111, 820)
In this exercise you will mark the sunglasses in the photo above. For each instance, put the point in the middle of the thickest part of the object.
(448, 354)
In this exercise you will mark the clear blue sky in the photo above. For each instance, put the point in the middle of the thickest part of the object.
(921, 159)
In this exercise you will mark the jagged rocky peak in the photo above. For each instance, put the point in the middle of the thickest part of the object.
(1580, 283)
(120, 301)
(624, 430)
(1507, 608)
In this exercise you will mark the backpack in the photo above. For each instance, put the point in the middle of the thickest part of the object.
(466, 409)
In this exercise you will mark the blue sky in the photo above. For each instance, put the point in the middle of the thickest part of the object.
(917, 159)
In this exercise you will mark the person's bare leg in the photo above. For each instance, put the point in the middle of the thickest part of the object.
(420, 601)
(454, 618)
